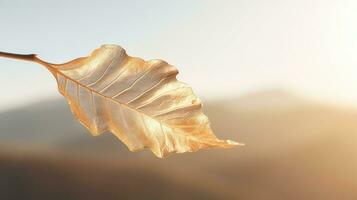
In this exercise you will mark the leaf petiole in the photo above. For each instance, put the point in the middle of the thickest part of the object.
(28, 57)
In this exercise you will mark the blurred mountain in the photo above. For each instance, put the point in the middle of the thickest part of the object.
(295, 149)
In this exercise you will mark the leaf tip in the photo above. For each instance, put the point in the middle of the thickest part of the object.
(233, 143)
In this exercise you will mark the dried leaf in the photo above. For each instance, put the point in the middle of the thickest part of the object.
(141, 102)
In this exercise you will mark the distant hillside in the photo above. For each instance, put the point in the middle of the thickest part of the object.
(43, 177)
(294, 149)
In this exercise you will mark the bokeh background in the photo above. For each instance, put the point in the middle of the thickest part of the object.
(278, 75)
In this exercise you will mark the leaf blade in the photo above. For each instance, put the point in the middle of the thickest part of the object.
(141, 102)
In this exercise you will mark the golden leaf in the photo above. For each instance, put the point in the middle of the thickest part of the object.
(140, 102)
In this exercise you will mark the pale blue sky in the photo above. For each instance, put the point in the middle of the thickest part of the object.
(222, 48)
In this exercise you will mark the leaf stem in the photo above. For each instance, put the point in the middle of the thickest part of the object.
(28, 57)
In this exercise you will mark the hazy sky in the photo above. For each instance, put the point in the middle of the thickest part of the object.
(222, 48)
